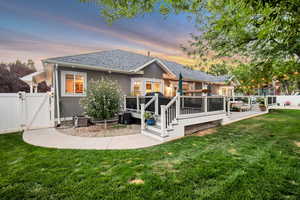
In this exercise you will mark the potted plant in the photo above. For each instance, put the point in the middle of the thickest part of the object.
(150, 120)
(262, 105)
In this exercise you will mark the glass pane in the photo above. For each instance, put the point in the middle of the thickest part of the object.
(223, 91)
(185, 86)
(69, 84)
(79, 84)
(137, 88)
(156, 87)
(148, 87)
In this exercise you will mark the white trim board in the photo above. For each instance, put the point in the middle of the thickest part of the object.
(162, 65)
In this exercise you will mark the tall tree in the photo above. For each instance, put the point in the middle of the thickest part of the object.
(259, 29)
(263, 34)
(219, 69)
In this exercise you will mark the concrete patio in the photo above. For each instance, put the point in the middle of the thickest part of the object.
(52, 138)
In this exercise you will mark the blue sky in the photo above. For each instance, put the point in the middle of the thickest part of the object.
(41, 29)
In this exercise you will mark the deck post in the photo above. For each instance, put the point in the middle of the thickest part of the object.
(266, 103)
(137, 103)
(178, 97)
(124, 103)
(143, 116)
(224, 103)
(156, 104)
(163, 119)
(205, 104)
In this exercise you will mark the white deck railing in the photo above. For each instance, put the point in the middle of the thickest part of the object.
(181, 107)
(184, 107)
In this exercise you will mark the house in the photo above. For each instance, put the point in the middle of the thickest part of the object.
(33, 80)
(136, 74)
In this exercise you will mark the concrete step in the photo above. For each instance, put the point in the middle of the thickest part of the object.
(155, 128)
(153, 134)
(158, 123)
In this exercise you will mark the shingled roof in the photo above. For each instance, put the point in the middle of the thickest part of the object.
(125, 61)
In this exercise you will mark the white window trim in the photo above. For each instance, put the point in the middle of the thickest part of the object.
(143, 84)
(63, 82)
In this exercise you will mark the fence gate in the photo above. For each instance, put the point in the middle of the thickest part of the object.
(26, 111)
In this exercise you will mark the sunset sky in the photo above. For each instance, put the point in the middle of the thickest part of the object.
(35, 29)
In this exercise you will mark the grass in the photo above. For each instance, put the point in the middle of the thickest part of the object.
(256, 158)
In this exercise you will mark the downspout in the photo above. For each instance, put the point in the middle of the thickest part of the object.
(57, 94)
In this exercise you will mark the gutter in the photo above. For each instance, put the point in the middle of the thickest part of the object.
(57, 94)
(90, 67)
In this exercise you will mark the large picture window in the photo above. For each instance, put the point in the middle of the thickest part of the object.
(73, 83)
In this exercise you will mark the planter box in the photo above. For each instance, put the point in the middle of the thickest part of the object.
(80, 121)
(262, 108)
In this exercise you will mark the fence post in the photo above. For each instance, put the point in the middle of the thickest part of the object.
(124, 103)
(22, 110)
(178, 98)
(249, 103)
(163, 119)
(156, 104)
(228, 106)
(137, 103)
(143, 116)
(205, 104)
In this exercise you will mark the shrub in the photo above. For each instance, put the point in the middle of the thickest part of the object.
(261, 101)
(102, 100)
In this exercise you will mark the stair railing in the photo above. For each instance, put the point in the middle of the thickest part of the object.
(145, 106)
(169, 113)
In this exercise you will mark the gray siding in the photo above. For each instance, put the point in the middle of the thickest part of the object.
(153, 71)
(69, 106)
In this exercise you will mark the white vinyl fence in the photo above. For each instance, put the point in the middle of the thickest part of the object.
(22, 110)
(293, 100)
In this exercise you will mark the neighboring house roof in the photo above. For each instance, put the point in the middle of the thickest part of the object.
(31, 78)
(125, 61)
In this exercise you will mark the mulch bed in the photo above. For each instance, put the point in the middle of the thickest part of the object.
(101, 131)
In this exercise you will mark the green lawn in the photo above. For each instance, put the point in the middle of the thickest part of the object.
(252, 159)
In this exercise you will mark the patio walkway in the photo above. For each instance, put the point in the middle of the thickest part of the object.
(52, 138)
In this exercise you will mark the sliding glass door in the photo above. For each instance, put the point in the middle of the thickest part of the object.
(142, 86)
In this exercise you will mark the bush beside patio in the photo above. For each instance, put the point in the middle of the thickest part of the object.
(256, 158)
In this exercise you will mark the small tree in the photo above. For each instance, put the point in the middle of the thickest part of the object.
(102, 100)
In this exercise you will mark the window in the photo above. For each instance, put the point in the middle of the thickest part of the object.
(148, 87)
(137, 88)
(224, 92)
(156, 87)
(73, 83)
